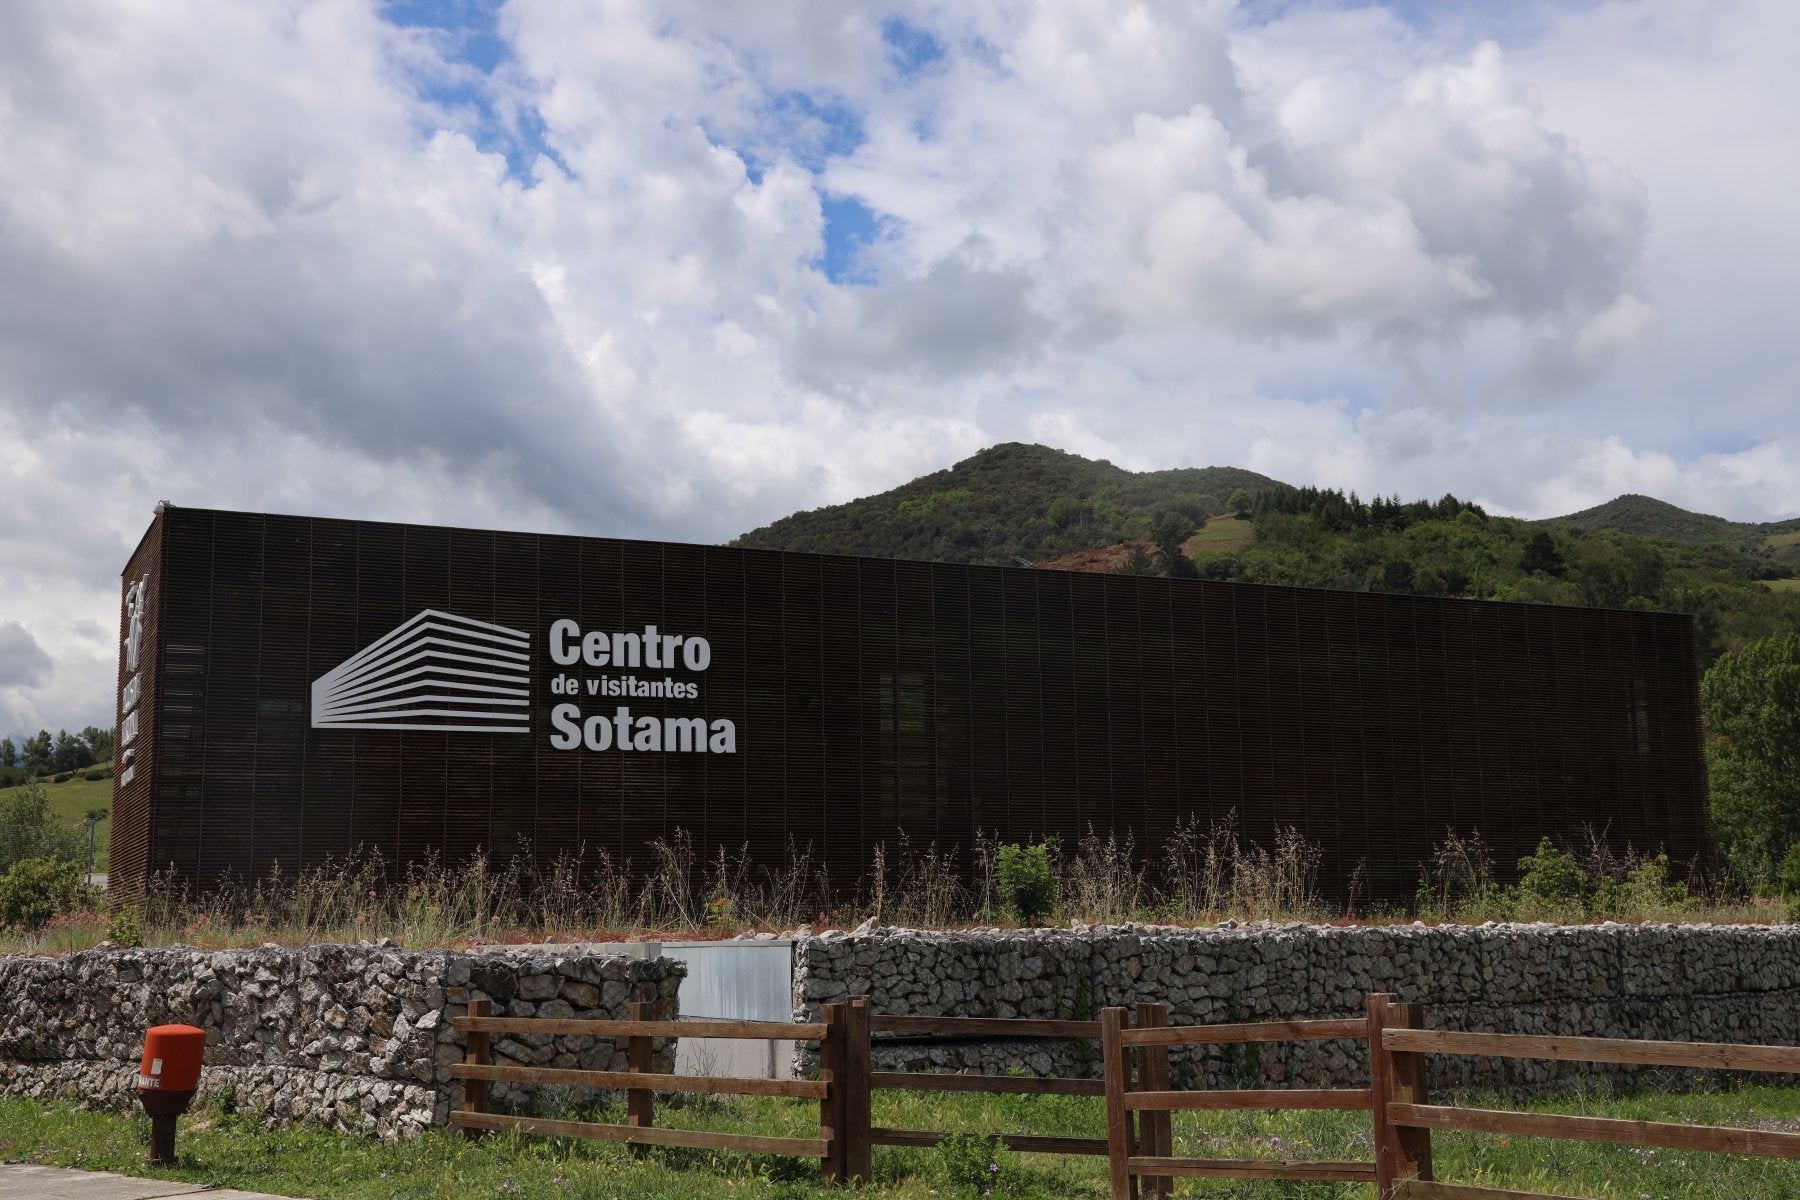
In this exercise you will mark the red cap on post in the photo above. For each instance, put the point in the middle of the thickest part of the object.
(172, 1055)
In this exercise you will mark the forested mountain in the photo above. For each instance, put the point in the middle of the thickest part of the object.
(1007, 503)
(1015, 504)
(1777, 542)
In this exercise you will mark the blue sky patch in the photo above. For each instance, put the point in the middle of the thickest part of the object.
(469, 35)
(911, 51)
(850, 225)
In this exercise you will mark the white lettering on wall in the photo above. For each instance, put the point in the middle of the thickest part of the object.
(621, 652)
(137, 599)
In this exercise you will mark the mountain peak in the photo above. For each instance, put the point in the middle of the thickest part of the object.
(1008, 503)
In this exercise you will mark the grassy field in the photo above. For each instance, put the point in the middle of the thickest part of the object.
(1219, 535)
(70, 802)
(1784, 585)
(229, 1150)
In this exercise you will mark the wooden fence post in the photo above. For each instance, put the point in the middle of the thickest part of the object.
(477, 1050)
(1156, 1132)
(640, 1059)
(1396, 1077)
(1117, 1074)
(858, 1144)
(832, 1114)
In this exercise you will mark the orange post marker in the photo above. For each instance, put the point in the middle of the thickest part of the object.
(167, 1079)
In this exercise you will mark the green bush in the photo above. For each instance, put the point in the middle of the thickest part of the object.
(97, 776)
(1645, 889)
(33, 891)
(1026, 884)
(1552, 876)
(123, 930)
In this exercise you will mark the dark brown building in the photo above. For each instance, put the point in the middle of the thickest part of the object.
(304, 687)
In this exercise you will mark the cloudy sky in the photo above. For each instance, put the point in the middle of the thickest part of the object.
(674, 270)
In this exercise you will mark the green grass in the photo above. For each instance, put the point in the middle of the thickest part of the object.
(70, 802)
(230, 1151)
(1219, 535)
(1784, 585)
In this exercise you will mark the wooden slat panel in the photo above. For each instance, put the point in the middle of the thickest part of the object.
(720, 1085)
(1704, 1055)
(1013, 1085)
(1335, 1098)
(987, 1027)
(696, 1139)
(618, 1029)
(1026, 1143)
(1254, 1168)
(1599, 1129)
(1254, 1031)
(1431, 1189)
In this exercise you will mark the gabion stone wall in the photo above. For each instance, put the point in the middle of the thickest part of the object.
(355, 1037)
(1673, 982)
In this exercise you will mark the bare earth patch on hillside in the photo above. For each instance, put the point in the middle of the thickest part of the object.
(1101, 559)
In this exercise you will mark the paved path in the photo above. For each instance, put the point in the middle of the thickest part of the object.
(20, 1182)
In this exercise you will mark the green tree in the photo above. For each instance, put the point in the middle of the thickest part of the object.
(1750, 705)
(1139, 562)
(27, 830)
(9, 753)
(1239, 503)
(70, 752)
(1172, 529)
(1541, 557)
(38, 751)
(99, 741)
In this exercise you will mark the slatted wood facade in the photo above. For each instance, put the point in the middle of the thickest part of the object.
(874, 698)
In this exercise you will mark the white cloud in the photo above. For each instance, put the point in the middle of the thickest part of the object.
(248, 260)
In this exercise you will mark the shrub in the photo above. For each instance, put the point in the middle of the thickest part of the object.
(123, 930)
(1552, 875)
(36, 889)
(97, 776)
(1026, 884)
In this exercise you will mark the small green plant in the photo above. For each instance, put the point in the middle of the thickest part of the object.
(973, 1165)
(1645, 889)
(1552, 876)
(123, 931)
(1026, 884)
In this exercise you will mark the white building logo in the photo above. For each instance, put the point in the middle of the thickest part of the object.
(438, 672)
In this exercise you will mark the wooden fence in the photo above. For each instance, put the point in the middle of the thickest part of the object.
(1134, 1084)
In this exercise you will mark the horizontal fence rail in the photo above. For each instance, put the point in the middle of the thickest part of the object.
(1255, 1031)
(766, 1030)
(985, 1027)
(1253, 1168)
(697, 1139)
(1727, 1056)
